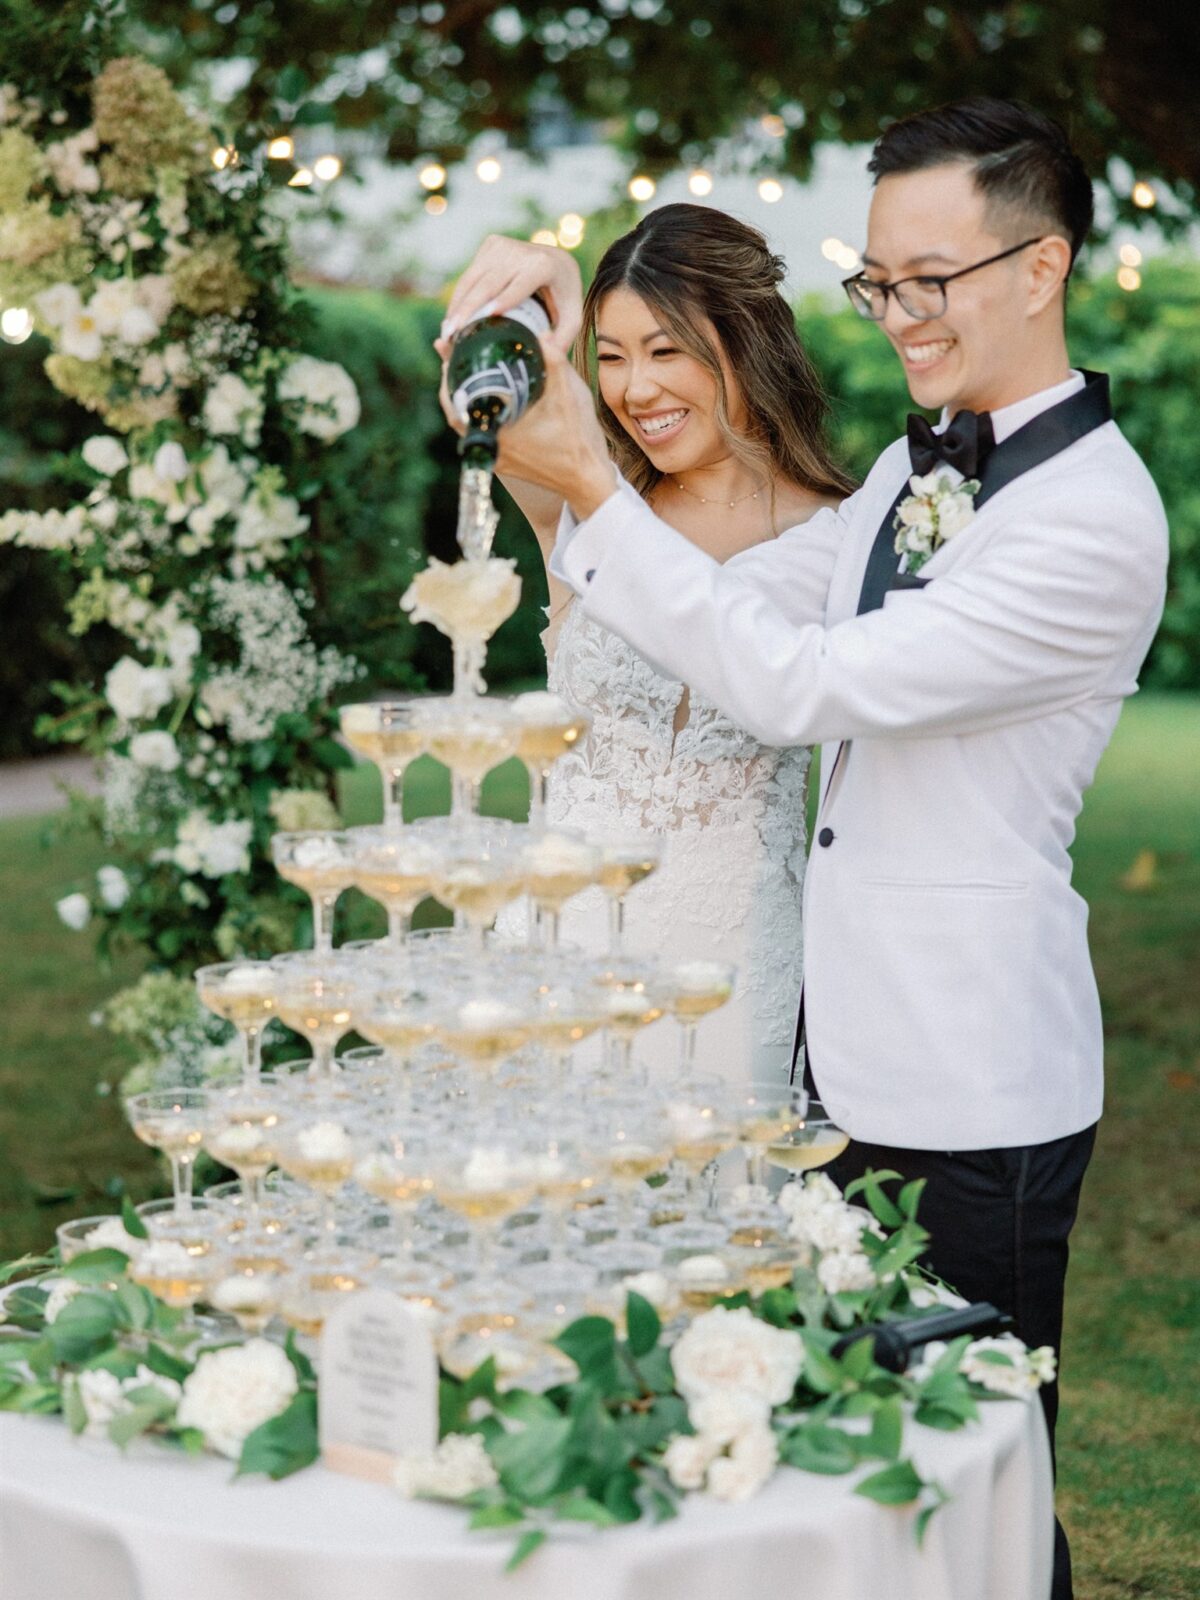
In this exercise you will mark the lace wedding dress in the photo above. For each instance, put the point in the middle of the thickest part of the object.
(730, 813)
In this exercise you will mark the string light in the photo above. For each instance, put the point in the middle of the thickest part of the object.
(1131, 255)
(300, 179)
(437, 205)
(1129, 278)
(570, 230)
(544, 236)
(432, 175)
(831, 248)
(700, 182)
(488, 170)
(1143, 195)
(773, 126)
(642, 188)
(16, 324)
(327, 168)
(224, 156)
(282, 148)
(770, 190)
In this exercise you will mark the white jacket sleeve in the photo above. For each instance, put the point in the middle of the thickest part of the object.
(1055, 601)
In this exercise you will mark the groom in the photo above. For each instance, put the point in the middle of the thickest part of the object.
(952, 1019)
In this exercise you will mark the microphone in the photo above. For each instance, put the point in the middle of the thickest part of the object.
(895, 1342)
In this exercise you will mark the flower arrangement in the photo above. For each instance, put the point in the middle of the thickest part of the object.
(650, 1414)
(932, 514)
(160, 283)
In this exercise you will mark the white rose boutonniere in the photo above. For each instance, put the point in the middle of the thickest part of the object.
(931, 515)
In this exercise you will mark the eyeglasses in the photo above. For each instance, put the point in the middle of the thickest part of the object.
(923, 298)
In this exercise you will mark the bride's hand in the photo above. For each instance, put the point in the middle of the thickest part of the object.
(507, 271)
(559, 443)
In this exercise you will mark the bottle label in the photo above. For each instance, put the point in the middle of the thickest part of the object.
(530, 314)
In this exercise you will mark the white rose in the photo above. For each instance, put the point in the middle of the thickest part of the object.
(156, 750)
(266, 522)
(836, 1227)
(75, 910)
(654, 1287)
(233, 1391)
(687, 1458)
(62, 1292)
(914, 513)
(743, 1472)
(726, 1414)
(136, 326)
(817, 1189)
(458, 1467)
(842, 1271)
(726, 1349)
(58, 303)
(111, 1235)
(171, 462)
(925, 487)
(134, 691)
(222, 480)
(104, 454)
(114, 887)
(330, 403)
(215, 849)
(1012, 1377)
(103, 1398)
(111, 301)
(233, 407)
(953, 513)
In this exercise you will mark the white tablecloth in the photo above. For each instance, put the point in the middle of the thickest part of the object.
(80, 1522)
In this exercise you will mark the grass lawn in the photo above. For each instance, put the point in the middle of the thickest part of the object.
(1133, 1311)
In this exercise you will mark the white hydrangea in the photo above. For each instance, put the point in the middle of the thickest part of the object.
(135, 691)
(214, 849)
(113, 887)
(329, 403)
(266, 522)
(58, 303)
(155, 750)
(841, 1271)
(458, 1467)
(105, 1397)
(233, 1391)
(67, 159)
(75, 910)
(105, 454)
(171, 462)
(45, 530)
(234, 409)
(727, 1350)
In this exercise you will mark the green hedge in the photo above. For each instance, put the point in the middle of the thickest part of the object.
(394, 500)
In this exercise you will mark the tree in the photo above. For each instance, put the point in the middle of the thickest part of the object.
(671, 80)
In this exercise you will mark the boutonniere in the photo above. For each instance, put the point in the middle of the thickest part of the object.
(931, 515)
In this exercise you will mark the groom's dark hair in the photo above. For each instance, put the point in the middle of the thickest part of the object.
(1021, 160)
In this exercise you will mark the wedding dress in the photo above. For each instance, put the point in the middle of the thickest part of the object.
(730, 813)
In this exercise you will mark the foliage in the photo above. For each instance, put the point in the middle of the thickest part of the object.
(428, 79)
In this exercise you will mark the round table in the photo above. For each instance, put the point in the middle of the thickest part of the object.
(79, 1521)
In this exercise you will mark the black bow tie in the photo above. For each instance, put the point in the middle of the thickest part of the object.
(965, 444)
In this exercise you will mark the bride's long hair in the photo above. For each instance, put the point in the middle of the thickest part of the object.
(691, 262)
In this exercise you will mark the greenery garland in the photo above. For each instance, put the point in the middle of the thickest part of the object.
(153, 259)
(751, 1383)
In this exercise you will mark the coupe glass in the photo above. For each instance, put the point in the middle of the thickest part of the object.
(313, 996)
(549, 728)
(565, 1015)
(320, 863)
(701, 1128)
(398, 1017)
(632, 1000)
(482, 870)
(316, 1145)
(242, 992)
(482, 1032)
(814, 1142)
(387, 733)
(624, 863)
(484, 1184)
(559, 864)
(633, 1142)
(470, 737)
(399, 1172)
(241, 1132)
(695, 988)
(397, 869)
(172, 1120)
(316, 1287)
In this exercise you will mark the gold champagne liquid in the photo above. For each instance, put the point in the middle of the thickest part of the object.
(316, 1018)
(618, 877)
(542, 746)
(769, 1127)
(691, 1007)
(394, 1188)
(801, 1157)
(324, 1174)
(170, 1134)
(764, 1275)
(402, 1037)
(552, 890)
(483, 1045)
(244, 1010)
(695, 1154)
(252, 1264)
(315, 880)
(471, 755)
(486, 1205)
(393, 884)
(232, 1147)
(478, 902)
(172, 1289)
(632, 1164)
(563, 1032)
(384, 746)
(304, 1321)
(565, 1191)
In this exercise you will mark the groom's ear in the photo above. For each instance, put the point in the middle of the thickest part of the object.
(1049, 266)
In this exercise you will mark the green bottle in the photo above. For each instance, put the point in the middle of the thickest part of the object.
(495, 374)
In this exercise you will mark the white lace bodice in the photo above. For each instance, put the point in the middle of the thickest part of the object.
(731, 812)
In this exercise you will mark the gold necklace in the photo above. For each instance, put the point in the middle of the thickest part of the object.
(704, 501)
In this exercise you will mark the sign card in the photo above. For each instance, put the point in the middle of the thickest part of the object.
(379, 1385)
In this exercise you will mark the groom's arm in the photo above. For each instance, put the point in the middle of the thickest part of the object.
(1032, 625)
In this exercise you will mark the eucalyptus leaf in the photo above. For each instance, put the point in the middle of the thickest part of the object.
(816, 1447)
(897, 1485)
(531, 1461)
(283, 1444)
(83, 1327)
(133, 1224)
(97, 1267)
(887, 1429)
(643, 1324)
(525, 1546)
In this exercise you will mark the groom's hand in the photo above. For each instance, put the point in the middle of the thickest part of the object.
(559, 442)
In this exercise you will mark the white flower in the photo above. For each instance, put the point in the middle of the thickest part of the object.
(329, 400)
(71, 172)
(62, 1292)
(458, 1467)
(114, 887)
(266, 521)
(1043, 1363)
(103, 1398)
(743, 1472)
(80, 337)
(156, 750)
(954, 512)
(726, 1414)
(75, 910)
(111, 1235)
(104, 454)
(171, 462)
(214, 849)
(726, 1349)
(233, 1391)
(841, 1271)
(233, 407)
(58, 303)
(687, 1458)
(137, 326)
(1018, 1376)
(134, 691)
(654, 1287)
(221, 478)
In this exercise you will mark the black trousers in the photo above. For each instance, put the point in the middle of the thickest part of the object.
(999, 1221)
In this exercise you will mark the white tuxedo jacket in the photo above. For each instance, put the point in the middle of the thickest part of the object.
(949, 996)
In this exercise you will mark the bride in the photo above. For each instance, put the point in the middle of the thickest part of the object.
(715, 415)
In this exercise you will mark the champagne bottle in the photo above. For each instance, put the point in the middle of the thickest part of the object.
(495, 374)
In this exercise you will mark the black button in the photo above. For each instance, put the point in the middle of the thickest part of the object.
(589, 575)
(825, 837)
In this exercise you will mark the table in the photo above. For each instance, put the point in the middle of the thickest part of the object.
(78, 1521)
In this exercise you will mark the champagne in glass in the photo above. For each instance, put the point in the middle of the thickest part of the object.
(624, 863)
(558, 864)
(696, 988)
(470, 738)
(242, 992)
(322, 864)
(398, 870)
(313, 997)
(172, 1120)
(814, 1142)
(387, 733)
(549, 729)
